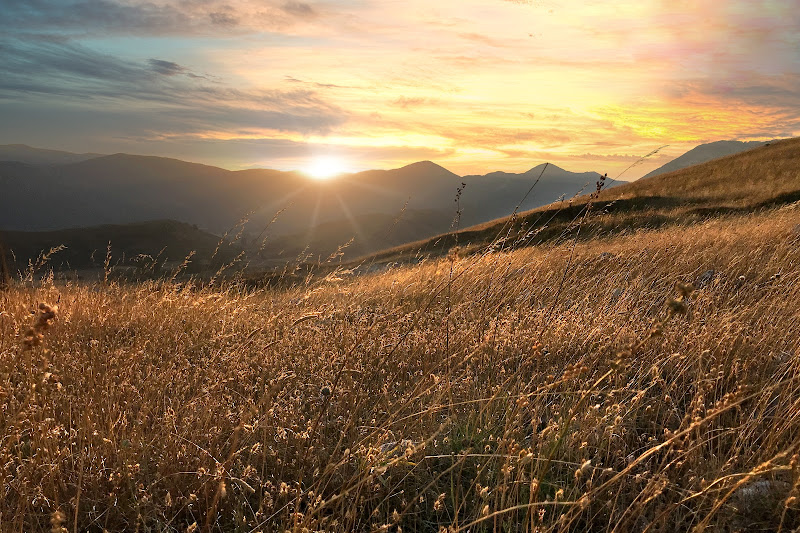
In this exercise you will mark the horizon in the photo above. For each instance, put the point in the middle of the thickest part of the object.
(472, 85)
(300, 170)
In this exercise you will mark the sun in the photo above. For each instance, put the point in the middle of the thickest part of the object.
(325, 167)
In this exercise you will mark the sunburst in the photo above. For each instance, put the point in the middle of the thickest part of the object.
(325, 167)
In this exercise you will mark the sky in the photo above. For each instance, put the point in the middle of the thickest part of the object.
(473, 85)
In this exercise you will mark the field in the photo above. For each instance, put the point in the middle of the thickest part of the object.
(645, 381)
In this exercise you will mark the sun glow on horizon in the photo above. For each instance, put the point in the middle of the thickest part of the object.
(324, 168)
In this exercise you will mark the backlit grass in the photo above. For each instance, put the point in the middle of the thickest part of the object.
(569, 386)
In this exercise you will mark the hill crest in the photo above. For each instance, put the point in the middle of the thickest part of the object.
(763, 177)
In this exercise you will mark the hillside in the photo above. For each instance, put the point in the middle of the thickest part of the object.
(638, 369)
(165, 241)
(740, 183)
(705, 152)
(564, 388)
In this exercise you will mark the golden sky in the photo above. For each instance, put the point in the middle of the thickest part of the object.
(474, 85)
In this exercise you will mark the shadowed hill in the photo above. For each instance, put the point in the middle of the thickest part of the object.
(703, 153)
(165, 241)
(122, 188)
(23, 153)
(763, 177)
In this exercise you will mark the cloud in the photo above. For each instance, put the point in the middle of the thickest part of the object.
(166, 68)
(481, 39)
(407, 102)
(175, 99)
(220, 18)
(44, 62)
(82, 18)
(87, 16)
(299, 9)
(292, 79)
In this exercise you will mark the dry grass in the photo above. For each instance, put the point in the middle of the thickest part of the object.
(549, 388)
(760, 174)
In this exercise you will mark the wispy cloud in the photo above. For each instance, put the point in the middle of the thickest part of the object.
(166, 68)
(88, 16)
(299, 9)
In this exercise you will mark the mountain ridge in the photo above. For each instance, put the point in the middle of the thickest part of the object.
(291, 213)
(127, 188)
(24, 153)
(703, 153)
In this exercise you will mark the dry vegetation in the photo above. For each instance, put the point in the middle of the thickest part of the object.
(572, 386)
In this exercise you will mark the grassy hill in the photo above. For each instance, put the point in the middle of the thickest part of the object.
(560, 387)
(762, 177)
(705, 152)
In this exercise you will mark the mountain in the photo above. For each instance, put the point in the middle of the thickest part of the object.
(379, 208)
(497, 194)
(418, 201)
(705, 152)
(121, 188)
(23, 153)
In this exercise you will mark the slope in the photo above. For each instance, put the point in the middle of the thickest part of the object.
(705, 152)
(764, 177)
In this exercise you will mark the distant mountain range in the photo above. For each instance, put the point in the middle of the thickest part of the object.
(765, 177)
(705, 152)
(49, 190)
(38, 156)
(43, 190)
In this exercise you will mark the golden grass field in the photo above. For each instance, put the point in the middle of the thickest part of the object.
(573, 386)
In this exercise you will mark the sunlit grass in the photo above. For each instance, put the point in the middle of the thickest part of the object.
(468, 393)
